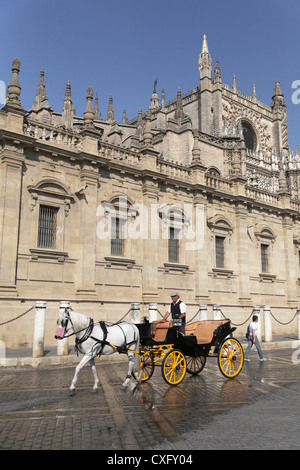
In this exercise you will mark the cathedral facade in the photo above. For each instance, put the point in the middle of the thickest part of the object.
(199, 194)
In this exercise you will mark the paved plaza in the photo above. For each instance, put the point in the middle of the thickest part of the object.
(260, 409)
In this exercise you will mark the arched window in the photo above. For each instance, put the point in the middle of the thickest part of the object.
(249, 136)
(119, 217)
(221, 232)
(53, 201)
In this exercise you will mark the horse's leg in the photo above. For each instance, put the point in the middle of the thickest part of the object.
(81, 364)
(130, 356)
(136, 361)
(94, 370)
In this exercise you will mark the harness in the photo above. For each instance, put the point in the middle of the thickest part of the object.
(100, 343)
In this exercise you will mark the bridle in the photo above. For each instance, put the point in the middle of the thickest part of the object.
(64, 324)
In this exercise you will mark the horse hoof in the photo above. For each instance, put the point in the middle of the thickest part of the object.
(72, 392)
(95, 390)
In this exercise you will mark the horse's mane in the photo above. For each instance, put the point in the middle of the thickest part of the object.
(80, 318)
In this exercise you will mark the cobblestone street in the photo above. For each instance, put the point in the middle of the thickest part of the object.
(258, 410)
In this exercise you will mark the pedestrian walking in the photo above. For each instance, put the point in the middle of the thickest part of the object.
(253, 339)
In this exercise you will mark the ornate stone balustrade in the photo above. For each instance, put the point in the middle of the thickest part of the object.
(220, 184)
(51, 134)
(118, 154)
(173, 170)
(260, 195)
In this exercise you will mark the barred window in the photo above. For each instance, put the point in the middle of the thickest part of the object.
(264, 258)
(173, 245)
(47, 227)
(220, 252)
(117, 236)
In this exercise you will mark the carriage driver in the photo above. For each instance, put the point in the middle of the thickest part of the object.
(177, 308)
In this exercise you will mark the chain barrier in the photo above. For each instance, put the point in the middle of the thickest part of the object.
(121, 319)
(19, 316)
(282, 323)
(193, 317)
(238, 324)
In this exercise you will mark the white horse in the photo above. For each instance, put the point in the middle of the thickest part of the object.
(94, 339)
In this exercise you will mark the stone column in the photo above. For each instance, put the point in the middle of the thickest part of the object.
(289, 260)
(39, 329)
(135, 313)
(216, 312)
(10, 200)
(203, 312)
(242, 255)
(298, 321)
(152, 312)
(87, 233)
(256, 311)
(267, 324)
(63, 344)
(151, 235)
(11, 165)
(200, 249)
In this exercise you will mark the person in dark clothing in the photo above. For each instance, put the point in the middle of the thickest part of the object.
(177, 309)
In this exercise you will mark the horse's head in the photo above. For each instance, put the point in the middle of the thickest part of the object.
(63, 323)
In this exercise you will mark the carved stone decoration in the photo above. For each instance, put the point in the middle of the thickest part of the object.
(233, 113)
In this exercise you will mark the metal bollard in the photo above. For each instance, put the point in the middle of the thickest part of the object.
(63, 344)
(203, 312)
(152, 312)
(267, 324)
(135, 312)
(39, 329)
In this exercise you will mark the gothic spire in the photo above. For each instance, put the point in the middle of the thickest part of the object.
(278, 98)
(204, 62)
(124, 117)
(96, 107)
(179, 114)
(41, 99)
(234, 85)
(110, 116)
(217, 73)
(68, 110)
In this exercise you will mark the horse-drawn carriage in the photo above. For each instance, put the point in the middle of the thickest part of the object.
(153, 344)
(165, 345)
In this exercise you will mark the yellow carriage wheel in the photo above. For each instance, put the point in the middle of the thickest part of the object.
(230, 357)
(194, 364)
(174, 367)
(146, 367)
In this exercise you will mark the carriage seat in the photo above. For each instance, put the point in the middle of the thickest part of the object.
(203, 330)
(160, 330)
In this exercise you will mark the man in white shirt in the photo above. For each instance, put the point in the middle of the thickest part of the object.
(253, 339)
(177, 309)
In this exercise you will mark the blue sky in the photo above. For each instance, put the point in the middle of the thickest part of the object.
(120, 47)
